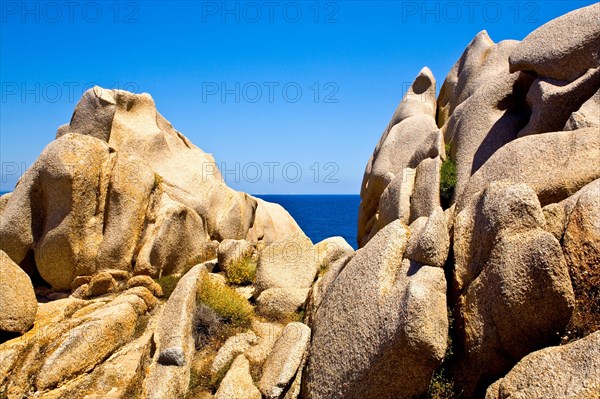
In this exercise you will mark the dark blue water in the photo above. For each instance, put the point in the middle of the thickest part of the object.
(322, 216)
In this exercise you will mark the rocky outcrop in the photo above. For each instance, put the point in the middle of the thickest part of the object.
(545, 163)
(330, 250)
(120, 214)
(18, 304)
(381, 329)
(515, 291)
(558, 372)
(78, 348)
(283, 363)
(411, 136)
(564, 48)
(238, 382)
(121, 187)
(280, 303)
(489, 109)
(519, 120)
(169, 373)
(288, 263)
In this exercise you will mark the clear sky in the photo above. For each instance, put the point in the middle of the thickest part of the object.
(289, 96)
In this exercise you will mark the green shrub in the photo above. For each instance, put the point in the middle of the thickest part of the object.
(168, 284)
(442, 384)
(241, 271)
(324, 267)
(230, 306)
(441, 387)
(447, 180)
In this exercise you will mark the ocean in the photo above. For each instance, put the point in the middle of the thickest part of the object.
(322, 216)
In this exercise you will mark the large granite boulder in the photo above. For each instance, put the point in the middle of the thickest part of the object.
(271, 223)
(564, 48)
(121, 187)
(411, 136)
(169, 373)
(238, 382)
(514, 291)
(553, 102)
(288, 263)
(489, 108)
(382, 326)
(330, 250)
(545, 162)
(283, 363)
(581, 246)
(18, 304)
(571, 371)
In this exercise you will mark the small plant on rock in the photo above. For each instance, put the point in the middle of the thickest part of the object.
(230, 306)
(241, 271)
(447, 180)
(168, 284)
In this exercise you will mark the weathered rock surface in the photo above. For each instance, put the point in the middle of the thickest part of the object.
(331, 249)
(581, 247)
(268, 334)
(430, 243)
(234, 346)
(120, 186)
(381, 328)
(559, 372)
(288, 263)
(586, 116)
(18, 304)
(271, 223)
(425, 197)
(3, 201)
(490, 111)
(238, 382)
(552, 102)
(169, 373)
(234, 250)
(81, 349)
(279, 303)
(322, 285)
(564, 48)
(515, 294)
(545, 162)
(146, 282)
(411, 136)
(284, 360)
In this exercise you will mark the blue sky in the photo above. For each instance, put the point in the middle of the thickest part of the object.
(289, 96)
